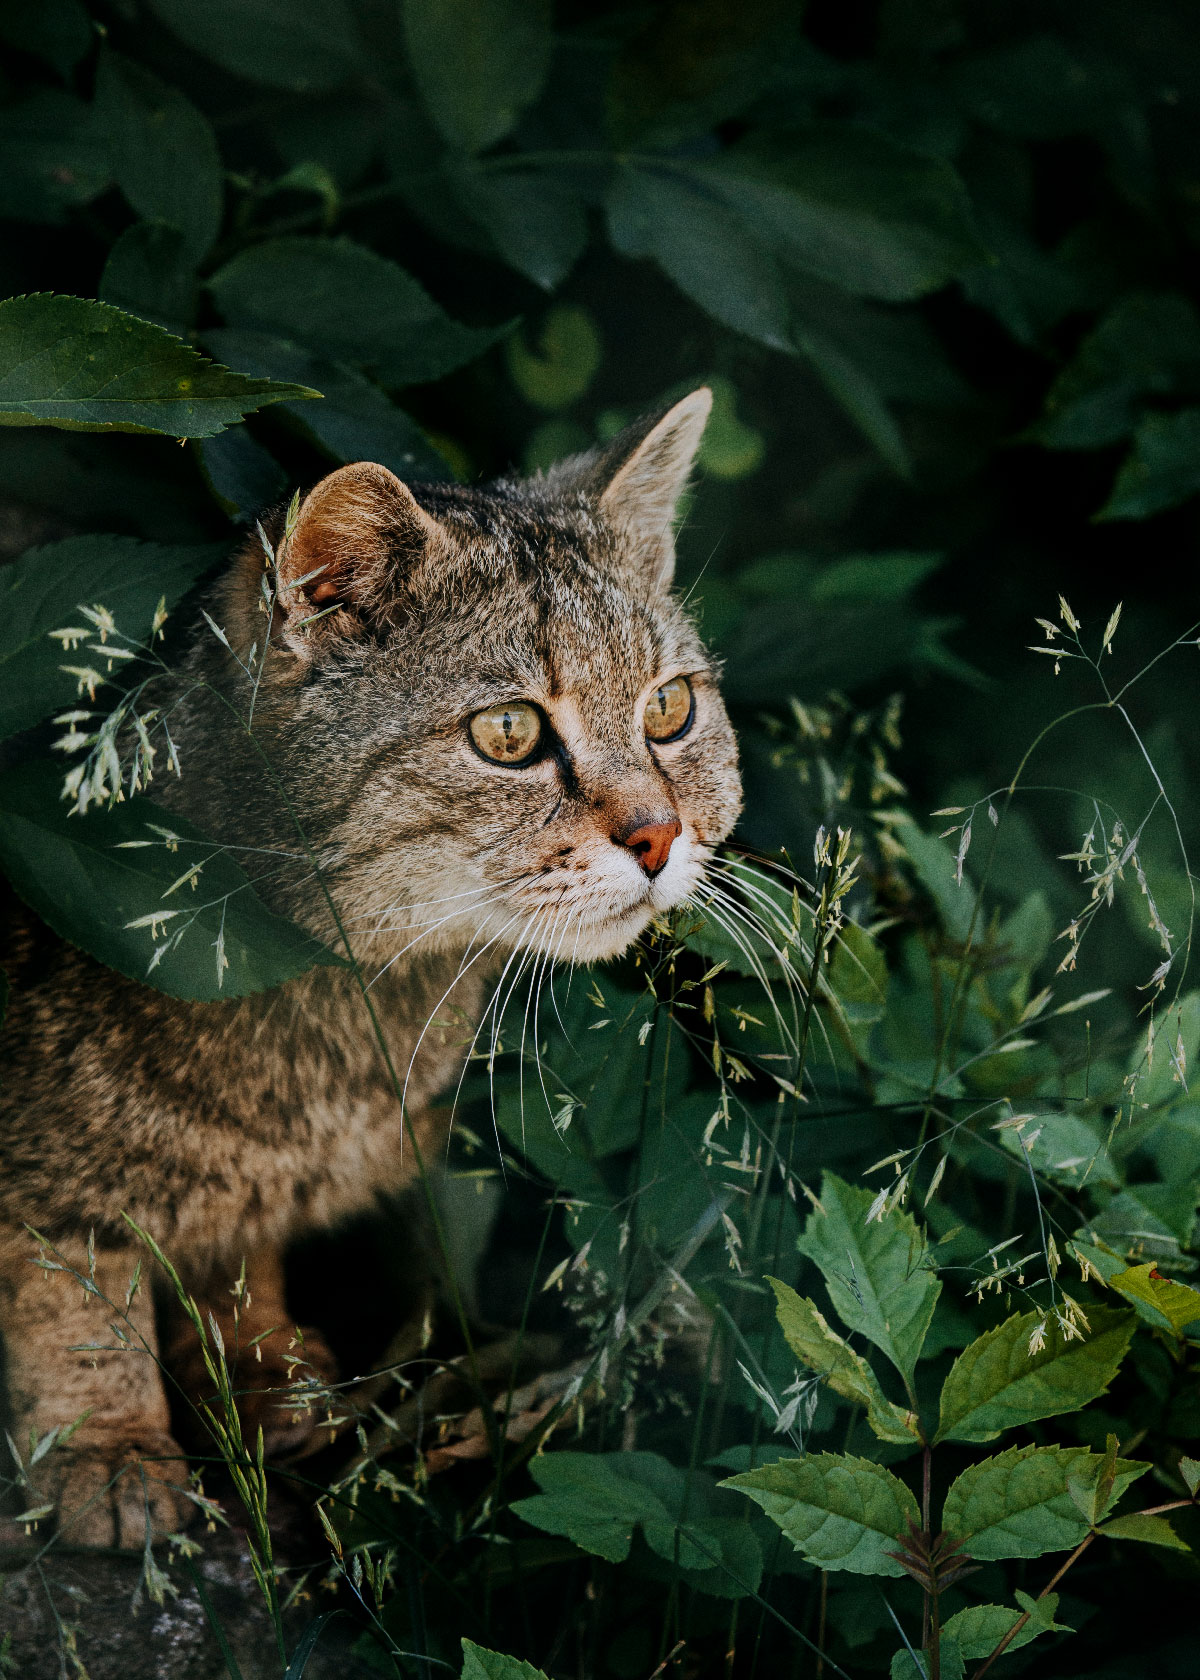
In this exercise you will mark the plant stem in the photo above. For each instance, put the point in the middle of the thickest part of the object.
(1021, 1620)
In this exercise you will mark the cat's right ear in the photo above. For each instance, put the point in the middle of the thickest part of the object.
(338, 568)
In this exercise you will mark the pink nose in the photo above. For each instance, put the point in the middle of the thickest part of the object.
(651, 843)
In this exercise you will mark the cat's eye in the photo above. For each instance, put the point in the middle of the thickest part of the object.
(668, 711)
(507, 734)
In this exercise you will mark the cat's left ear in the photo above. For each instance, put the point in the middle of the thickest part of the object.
(355, 532)
(646, 469)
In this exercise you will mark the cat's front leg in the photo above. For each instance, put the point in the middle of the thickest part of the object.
(87, 1351)
(277, 1371)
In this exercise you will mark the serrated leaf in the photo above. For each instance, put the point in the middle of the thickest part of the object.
(840, 1512)
(910, 1665)
(824, 1352)
(164, 152)
(1018, 1503)
(981, 1627)
(40, 591)
(996, 1384)
(599, 1499)
(298, 44)
(1189, 1469)
(478, 63)
(87, 367)
(479, 1664)
(339, 298)
(1142, 1526)
(81, 879)
(875, 1273)
(1164, 1302)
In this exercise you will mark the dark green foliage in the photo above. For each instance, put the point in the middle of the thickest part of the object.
(901, 1151)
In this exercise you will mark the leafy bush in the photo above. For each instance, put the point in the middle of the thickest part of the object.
(936, 263)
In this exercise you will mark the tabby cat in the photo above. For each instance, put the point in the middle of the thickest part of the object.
(499, 732)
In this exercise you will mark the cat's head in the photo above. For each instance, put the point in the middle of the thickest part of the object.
(502, 728)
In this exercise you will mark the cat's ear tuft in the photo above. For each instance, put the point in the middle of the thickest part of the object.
(351, 536)
(645, 471)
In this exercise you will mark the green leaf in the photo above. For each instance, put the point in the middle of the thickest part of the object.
(355, 421)
(980, 1628)
(1019, 1504)
(89, 877)
(536, 220)
(1150, 1222)
(908, 1665)
(242, 475)
(840, 1512)
(997, 1384)
(1147, 346)
(1162, 471)
(875, 1273)
(40, 592)
(164, 152)
(56, 156)
(1189, 1469)
(347, 301)
(853, 207)
(672, 215)
(599, 1499)
(824, 1352)
(1166, 1303)
(87, 367)
(1064, 1147)
(149, 273)
(857, 392)
(297, 44)
(59, 31)
(1152, 1530)
(478, 63)
(479, 1664)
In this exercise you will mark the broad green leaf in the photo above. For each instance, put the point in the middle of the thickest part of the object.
(909, 1665)
(41, 591)
(479, 1664)
(1018, 1503)
(90, 877)
(298, 44)
(1150, 1222)
(854, 388)
(980, 1628)
(1141, 1526)
(670, 214)
(55, 156)
(87, 367)
(478, 63)
(853, 207)
(244, 477)
(1162, 471)
(824, 1352)
(351, 304)
(149, 273)
(1064, 1147)
(840, 1512)
(933, 861)
(599, 1499)
(1157, 1082)
(857, 976)
(59, 31)
(354, 421)
(1170, 1305)
(875, 1272)
(997, 1384)
(164, 152)
(535, 219)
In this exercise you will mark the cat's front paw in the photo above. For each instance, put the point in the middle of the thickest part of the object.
(279, 1385)
(113, 1490)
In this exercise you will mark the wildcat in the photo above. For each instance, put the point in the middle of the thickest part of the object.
(499, 732)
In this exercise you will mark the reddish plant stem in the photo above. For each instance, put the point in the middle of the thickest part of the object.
(926, 1478)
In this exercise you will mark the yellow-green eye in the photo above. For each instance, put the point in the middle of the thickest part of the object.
(669, 710)
(508, 734)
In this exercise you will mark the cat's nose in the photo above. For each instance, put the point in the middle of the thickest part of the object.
(651, 842)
